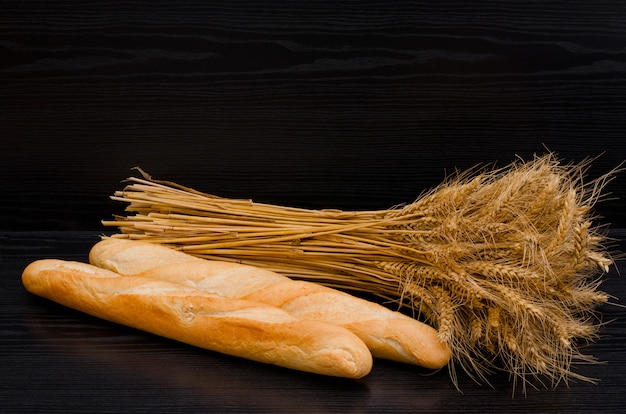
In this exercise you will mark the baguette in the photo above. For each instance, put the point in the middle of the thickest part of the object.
(388, 334)
(241, 328)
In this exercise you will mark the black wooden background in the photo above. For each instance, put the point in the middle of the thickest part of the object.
(352, 105)
(318, 104)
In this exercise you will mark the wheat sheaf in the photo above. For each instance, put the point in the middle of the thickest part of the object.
(506, 264)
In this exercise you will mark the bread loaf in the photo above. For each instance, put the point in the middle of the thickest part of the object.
(388, 334)
(242, 328)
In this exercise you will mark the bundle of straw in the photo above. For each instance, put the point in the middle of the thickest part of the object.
(504, 263)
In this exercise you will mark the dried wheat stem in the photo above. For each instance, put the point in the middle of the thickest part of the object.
(504, 263)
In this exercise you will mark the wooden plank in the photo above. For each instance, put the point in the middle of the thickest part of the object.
(339, 106)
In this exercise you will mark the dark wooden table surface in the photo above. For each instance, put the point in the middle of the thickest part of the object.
(350, 105)
(58, 360)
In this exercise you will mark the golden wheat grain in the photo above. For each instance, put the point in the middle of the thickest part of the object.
(504, 262)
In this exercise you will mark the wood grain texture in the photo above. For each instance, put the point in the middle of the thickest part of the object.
(347, 105)
(352, 105)
(59, 360)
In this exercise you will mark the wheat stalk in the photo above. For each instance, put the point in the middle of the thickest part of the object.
(503, 263)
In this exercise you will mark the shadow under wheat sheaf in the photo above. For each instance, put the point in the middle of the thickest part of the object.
(504, 263)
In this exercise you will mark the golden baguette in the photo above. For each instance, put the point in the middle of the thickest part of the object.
(241, 328)
(388, 334)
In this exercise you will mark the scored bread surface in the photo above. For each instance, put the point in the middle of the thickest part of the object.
(388, 334)
(242, 328)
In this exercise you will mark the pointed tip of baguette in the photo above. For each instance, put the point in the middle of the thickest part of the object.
(126, 252)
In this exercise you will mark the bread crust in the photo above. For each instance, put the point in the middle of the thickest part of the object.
(388, 334)
(237, 327)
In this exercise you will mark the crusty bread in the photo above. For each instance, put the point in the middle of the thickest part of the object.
(242, 328)
(388, 334)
